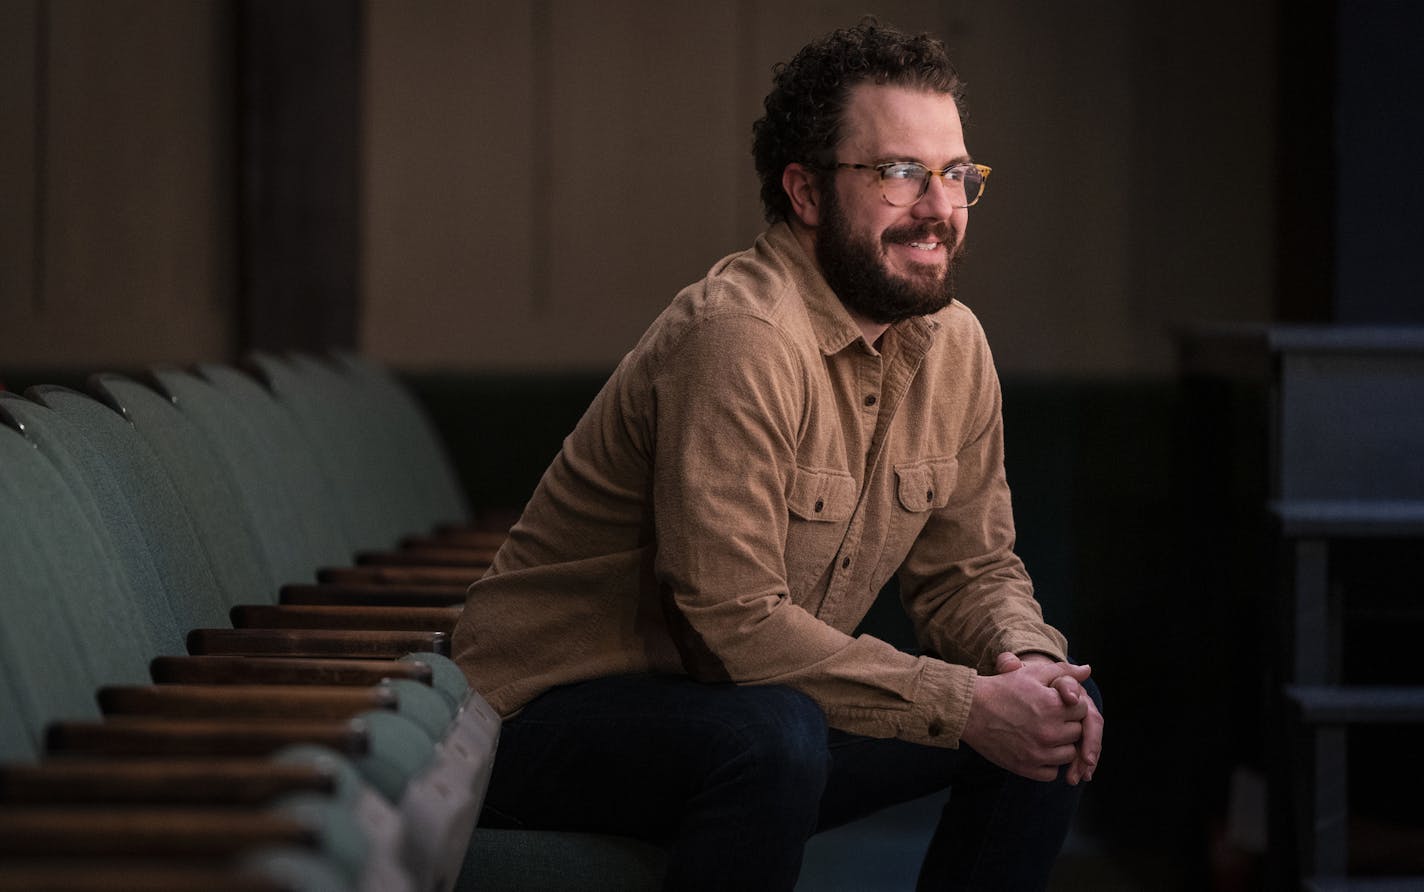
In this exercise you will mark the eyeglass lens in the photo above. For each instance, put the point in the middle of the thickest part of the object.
(905, 184)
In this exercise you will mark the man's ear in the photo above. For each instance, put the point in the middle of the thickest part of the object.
(803, 189)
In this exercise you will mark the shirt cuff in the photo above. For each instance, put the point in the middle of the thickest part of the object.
(942, 699)
(1049, 642)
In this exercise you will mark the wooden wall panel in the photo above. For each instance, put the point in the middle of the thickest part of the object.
(18, 174)
(539, 178)
(136, 235)
(448, 175)
(1099, 231)
(542, 178)
(646, 146)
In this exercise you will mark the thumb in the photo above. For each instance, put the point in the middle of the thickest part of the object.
(1007, 662)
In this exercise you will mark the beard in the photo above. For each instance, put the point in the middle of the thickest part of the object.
(856, 270)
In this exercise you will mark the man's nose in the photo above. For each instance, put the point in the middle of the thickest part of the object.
(937, 202)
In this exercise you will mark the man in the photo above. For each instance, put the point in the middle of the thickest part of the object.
(668, 627)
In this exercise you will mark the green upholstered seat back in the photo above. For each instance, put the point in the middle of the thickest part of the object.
(109, 505)
(18, 742)
(373, 482)
(391, 477)
(284, 528)
(165, 519)
(327, 537)
(68, 621)
(206, 487)
(382, 396)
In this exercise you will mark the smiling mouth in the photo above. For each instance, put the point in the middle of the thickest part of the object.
(925, 246)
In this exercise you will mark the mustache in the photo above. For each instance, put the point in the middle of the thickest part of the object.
(941, 232)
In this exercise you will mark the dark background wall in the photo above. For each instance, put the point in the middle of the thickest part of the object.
(521, 186)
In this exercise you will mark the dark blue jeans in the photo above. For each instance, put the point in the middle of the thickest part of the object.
(733, 780)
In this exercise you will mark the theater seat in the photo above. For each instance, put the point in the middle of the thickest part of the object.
(436, 784)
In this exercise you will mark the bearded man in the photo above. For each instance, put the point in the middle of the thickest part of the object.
(669, 628)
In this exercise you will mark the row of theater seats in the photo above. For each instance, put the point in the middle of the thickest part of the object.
(223, 657)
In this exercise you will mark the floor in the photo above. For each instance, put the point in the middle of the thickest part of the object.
(882, 854)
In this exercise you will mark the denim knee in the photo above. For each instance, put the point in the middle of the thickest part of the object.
(780, 738)
(1094, 692)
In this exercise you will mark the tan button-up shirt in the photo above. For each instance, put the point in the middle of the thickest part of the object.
(740, 490)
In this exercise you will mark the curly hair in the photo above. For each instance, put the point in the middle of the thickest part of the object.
(807, 101)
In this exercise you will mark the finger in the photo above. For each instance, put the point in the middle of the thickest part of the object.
(1074, 712)
(1065, 734)
(1081, 673)
(1039, 771)
(1089, 749)
(1044, 673)
(1068, 688)
(1007, 662)
(1058, 756)
(1081, 769)
(1091, 745)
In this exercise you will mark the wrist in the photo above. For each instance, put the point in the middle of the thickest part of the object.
(1036, 656)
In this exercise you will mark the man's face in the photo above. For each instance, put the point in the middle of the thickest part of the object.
(889, 263)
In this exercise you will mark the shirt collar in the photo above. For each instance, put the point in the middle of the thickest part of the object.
(835, 329)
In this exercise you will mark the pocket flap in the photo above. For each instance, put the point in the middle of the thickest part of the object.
(820, 494)
(925, 485)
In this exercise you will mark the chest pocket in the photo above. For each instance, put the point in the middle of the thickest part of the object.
(925, 485)
(820, 503)
(821, 495)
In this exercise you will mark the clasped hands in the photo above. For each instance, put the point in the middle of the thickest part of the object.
(1034, 716)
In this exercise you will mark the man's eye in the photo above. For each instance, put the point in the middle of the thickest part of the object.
(901, 172)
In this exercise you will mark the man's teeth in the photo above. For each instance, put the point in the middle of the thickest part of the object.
(925, 246)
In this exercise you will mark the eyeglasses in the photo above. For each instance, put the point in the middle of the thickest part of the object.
(905, 182)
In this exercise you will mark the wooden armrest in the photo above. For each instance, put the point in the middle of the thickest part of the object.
(432, 557)
(373, 574)
(179, 832)
(214, 670)
(327, 616)
(234, 781)
(124, 736)
(246, 701)
(92, 874)
(372, 593)
(351, 644)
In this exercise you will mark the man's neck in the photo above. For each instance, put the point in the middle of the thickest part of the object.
(871, 330)
(807, 237)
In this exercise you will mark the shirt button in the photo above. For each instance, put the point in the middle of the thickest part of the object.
(870, 399)
(845, 562)
(819, 505)
(936, 729)
(929, 495)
